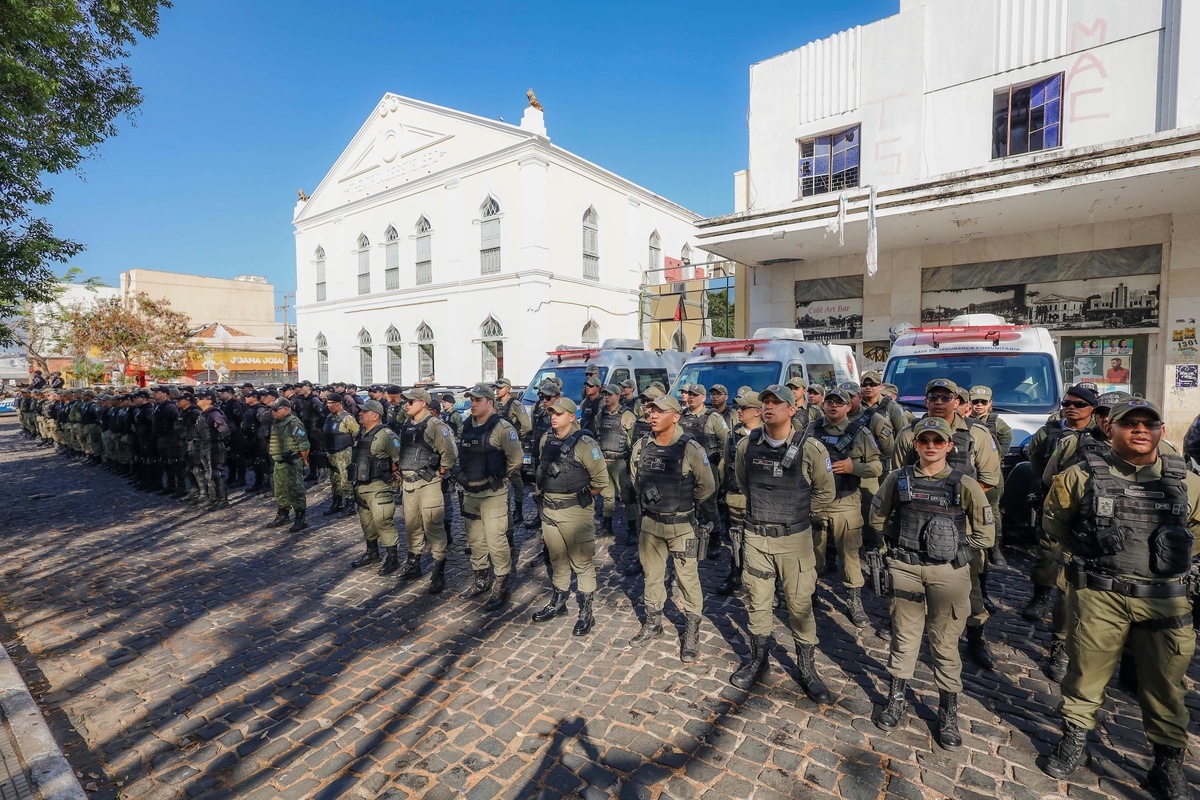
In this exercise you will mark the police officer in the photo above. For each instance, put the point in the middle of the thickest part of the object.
(1129, 519)
(451, 417)
(189, 412)
(1078, 406)
(211, 440)
(981, 409)
(234, 410)
(629, 396)
(874, 399)
(856, 464)
(374, 470)
(974, 454)
(510, 407)
(89, 427)
(288, 450)
(879, 422)
(749, 413)
(489, 455)
(395, 412)
(169, 444)
(708, 428)
(310, 409)
(788, 482)
(816, 397)
(671, 475)
(251, 451)
(718, 397)
(614, 427)
(806, 412)
(590, 406)
(571, 472)
(641, 429)
(427, 453)
(548, 392)
(931, 517)
(338, 432)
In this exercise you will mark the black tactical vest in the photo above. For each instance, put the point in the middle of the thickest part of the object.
(612, 438)
(990, 422)
(415, 453)
(187, 423)
(930, 520)
(559, 471)
(661, 485)
(693, 425)
(959, 457)
(89, 414)
(735, 436)
(368, 468)
(641, 428)
(482, 462)
(336, 440)
(838, 445)
(777, 492)
(1131, 528)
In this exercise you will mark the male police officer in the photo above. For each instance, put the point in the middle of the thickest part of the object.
(338, 432)
(212, 442)
(427, 452)
(489, 454)
(373, 470)
(590, 406)
(288, 449)
(510, 407)
(931, 517)
(878, 421)
(1129, 519)
(571, 472)
(787, 480)
(671, 474)
(708, 428)
(873, 398)
(749, 412)
(614, 426)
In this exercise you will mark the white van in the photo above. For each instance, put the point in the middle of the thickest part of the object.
(616, 359)
(770, 356)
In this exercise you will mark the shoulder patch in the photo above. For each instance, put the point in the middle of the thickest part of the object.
(877, 502)
(512, 435)
(704, 458)
(885, 432)
(596, 453)
(445, 431)
(988, 516)
(828, 464)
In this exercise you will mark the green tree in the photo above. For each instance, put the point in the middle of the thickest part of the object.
(63, 84)
(145, 334)
(38, 328)
(720, 314)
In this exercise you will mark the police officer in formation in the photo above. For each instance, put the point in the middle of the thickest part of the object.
(373, 472)
(614, 432)
(338, 431)
(708, 428)
(288, 450)
(510, 407)
(749, 419)
(427, 453)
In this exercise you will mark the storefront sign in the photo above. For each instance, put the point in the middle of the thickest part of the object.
(225, 362)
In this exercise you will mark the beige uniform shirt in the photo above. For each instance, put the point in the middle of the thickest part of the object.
(440, 438)
(866, 458)
(985, 457)
(981, 527)
(695, 462)
(880, 427)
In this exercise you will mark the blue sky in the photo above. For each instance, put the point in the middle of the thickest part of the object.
(247, 101)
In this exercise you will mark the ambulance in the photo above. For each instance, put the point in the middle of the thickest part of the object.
(615, 360)
(770, 356)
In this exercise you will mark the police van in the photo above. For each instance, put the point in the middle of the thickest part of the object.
(771, 356)
(614, 360)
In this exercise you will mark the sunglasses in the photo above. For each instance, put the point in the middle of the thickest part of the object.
(1150, 425)
(1075, 404)
(408, 400)
(830, 401)
(980, 402)
(939, 398)
(868, 385)
(936, 441)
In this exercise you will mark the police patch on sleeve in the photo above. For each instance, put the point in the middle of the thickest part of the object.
(704, 457)
(596, 453)
(885, 432)
(512, 435)
(988, 516)
(877, 502)
(828, 464)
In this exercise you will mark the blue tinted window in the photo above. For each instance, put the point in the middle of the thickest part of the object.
(829, 163)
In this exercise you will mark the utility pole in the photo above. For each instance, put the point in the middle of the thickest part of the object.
(287, 330)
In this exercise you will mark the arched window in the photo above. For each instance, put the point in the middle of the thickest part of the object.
(591, 334)
(492, 345)
(685, 255)
(685, 258)
(322, 359)
(366, 358)
(425, 360)
(319, 265)
(654, 260)
(591, 245)
(489, 237)
(364, 265)
(424, 252)
(392, 338)
(391, 259)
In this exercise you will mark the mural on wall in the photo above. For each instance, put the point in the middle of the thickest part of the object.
(830, 308)
(1117, 288)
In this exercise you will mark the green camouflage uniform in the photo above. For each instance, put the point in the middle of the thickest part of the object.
(289, 445)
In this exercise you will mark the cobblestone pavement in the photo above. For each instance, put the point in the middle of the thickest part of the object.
(187, 655)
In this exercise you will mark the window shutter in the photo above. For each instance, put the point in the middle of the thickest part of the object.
(490, 231)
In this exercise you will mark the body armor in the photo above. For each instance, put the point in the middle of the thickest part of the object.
(662, 487)
(335, 439)
(366, 468)
(483, 464)
(778, 495)
(613, 442)
(930, 521)
(89, 414)
(960, 458)
(838, 445)
(560, 472)
(415, 453)
(693, 425)
(588, 411)
(641, 428)
(990, 421)
(211, 428)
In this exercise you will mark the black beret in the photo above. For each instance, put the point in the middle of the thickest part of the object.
(1089, 396)
(393, 389)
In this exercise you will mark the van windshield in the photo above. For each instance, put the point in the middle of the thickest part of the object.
(1021, 383)
(758, 375)
(573, 379)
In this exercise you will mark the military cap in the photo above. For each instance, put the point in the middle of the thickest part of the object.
(627, 384)
(666, 402)
(550, 388)
(255, 393)
(282, 402)
(780, 393)
(496, 384)
(88, 393)
(1083, 393)
(107, 396)
(694, 388)
(796, 382)
(375, 387)
(336, 384)
(392, 388)
(304, 382)
(662, 387)
(226, 389)
(447, 397)
(942, 383)
(206, 395)
(164, 389)
(481, 391)
(563, 405)
(191, 398)
(557, 381)
(1124, 407)
(839, 393)
(816, 388)
(247, 385)
(651, 393)
(142, 393)
(744, 390)
(1109, 399)
(593, 381)
(373, 405)
(981, 392)
(335, 397)
(851, 388)
(964, 396)
(612, 388)
(718, 388)
(286, 387)
(872, 375)
(934, 424)
(892, 388)
(417, 394)
(748, 400)
(270, 392)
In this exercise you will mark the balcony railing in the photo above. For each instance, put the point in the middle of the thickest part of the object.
(489, 261)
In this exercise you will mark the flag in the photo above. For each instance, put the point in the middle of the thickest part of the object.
(872, 238)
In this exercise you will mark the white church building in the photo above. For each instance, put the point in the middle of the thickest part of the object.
(445, 247)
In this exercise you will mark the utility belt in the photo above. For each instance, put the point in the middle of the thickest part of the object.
(775, 530)
(413, 476)
(915, 559)
(491, 485)
(615, 455)
(289, 458)
(567, 502)
(1079, 577)
(671, 517)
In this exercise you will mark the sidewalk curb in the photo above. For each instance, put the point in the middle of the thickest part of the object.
(48, 767)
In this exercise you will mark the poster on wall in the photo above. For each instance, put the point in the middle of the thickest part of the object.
(1108, 363)
(1185, 348)
(1116, 288)
(830, 308)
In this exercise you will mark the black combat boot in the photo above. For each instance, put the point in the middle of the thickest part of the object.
(713, 550)
(995, 554)
(858, 615)
(391, 560)
(412, 568)
(481, 584)
(948, 735)
(1040, 604)
(500, 591)
(300, 523)
(583, 626)
(518, 512)
(988, 605)
(437, 577)
(689, 646)
(651, 629)
(891, 715)
(371, 556)
(807, 677)
(281, 518)
(752, 672)
(732, 582)
(1166, 779)
(556, 607)
(337, 505)
(1056, 664)
(977, 648)
(1070, 751)
(311, 477)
